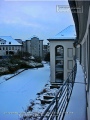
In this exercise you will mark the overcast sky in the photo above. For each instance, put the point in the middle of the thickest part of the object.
(23, 19)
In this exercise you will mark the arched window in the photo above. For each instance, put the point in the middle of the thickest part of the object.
(59, 63)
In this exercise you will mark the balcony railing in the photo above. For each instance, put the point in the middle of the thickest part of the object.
(57, 108)
(59, 69)
(59, 57)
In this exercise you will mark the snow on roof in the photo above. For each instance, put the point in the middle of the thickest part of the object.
(33, 37)
(67, 33)
(8, 40)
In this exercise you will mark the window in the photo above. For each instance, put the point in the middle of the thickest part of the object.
(3, 48)
(9, 42)
(9, 48)
(6, 52)
(70, 52)
(70, 64)
(16, 48)
(13, 48)
(0, 48)
(6, 48)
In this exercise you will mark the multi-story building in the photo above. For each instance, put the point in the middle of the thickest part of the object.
(34, 46)
(9, 46)
(62, 54)
(81, 16)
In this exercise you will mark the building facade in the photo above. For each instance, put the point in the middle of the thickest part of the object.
(81, 18)
(34, 46)
(9, 46)
(46, 49)
(62, 54)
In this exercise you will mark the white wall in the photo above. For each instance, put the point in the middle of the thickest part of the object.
(66, 45)
(8, 48)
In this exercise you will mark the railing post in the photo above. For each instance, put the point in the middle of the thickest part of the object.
(72, 78)
(67, 90)
(56, 114)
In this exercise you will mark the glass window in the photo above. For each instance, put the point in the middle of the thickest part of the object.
(6, 48)
(12, 47)
(9, 48)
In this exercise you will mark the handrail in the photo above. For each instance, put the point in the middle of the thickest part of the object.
(57, 108)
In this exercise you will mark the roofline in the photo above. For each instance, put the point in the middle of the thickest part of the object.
(64, 29)
(61, 39)
(9, 45)
(75, 16)
(30, 40)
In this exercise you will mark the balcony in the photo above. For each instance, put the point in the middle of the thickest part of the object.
(77, 106)
(59, 68)
(57, 108)
(70, 100)
(59, 57)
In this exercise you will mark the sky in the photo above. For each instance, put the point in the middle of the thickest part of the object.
(23, 19)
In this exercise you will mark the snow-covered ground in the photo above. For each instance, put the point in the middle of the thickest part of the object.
(77, 106)
(17, 93)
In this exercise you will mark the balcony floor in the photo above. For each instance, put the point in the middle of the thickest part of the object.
(76, 109)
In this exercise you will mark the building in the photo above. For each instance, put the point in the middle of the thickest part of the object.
(46, 49)
(8, 46)
(62, 54)
(81, 18)
(34, 46)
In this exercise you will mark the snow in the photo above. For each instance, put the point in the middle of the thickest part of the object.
(8, 39)
(67, 33)
(77, 105)
(16, 93)
(34, 36)
(39, 108)
(5, 77)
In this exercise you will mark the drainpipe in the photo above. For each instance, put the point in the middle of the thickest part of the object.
(80, 52)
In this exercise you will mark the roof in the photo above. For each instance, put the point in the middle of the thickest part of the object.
(68, 33)
(8, 39)
(33, 37)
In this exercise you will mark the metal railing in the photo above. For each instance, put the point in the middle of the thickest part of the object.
(57, 108)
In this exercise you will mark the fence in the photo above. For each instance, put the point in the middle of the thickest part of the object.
(57, 108)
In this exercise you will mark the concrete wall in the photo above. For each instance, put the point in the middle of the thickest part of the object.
(66, 45)
(85, 58)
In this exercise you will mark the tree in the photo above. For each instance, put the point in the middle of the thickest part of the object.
(47, 57)
(38, 59)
